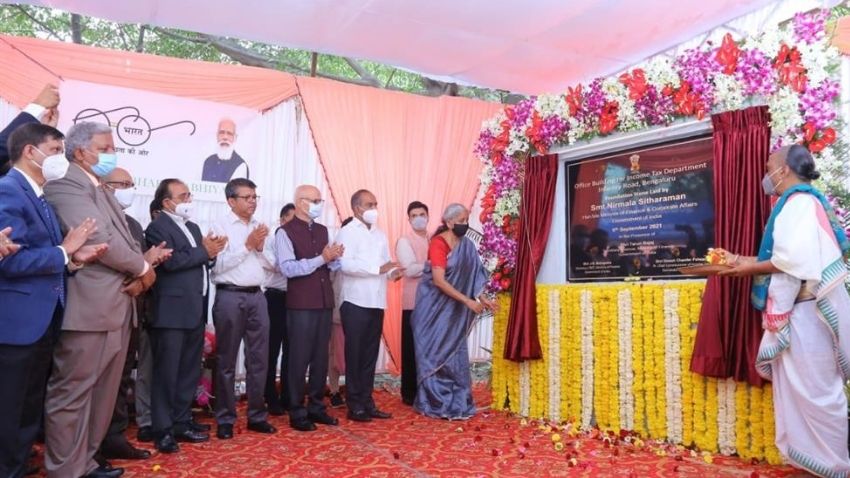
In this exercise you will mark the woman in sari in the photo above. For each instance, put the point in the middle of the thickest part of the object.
(798, 285)
(449, 296)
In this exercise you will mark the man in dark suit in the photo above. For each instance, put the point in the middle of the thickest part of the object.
(7, 247)
(32, 290)
(115, 445)
(42, 109)
(225, 164)
(180, 298)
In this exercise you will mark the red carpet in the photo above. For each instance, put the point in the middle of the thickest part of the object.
(491, 444)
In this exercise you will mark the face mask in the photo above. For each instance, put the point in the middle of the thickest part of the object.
(225, 152)
(125, 197)
(459, 230)
(315, 210)
(370, 217)
(419, 223)
(106, 163)
(767, 184)
(184, 210)
(54, 167)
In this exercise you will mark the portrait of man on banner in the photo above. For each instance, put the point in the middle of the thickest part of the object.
(226, 163)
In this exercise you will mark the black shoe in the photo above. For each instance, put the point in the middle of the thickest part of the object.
(191, 436)
(167, 444)
(337, 400)
(103, 472)
(261, 427)
(199, 427)
(121, 449)
(407, 401)
(145, 434)
(276, 410)
(375, 413)
(359, 416)
(224, 432)
(302, 425)
(101, 461)
(322, 418)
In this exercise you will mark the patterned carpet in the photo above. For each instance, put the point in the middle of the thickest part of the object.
(409, 445)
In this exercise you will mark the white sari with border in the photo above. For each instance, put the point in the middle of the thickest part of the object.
(806, 345)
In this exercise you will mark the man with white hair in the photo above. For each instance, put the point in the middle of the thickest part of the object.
(226, 163)
(91, 349)
(305, 257)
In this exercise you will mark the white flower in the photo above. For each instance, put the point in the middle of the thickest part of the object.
(518, 143)
(508, 205)
(660, 73)
(817, 58)
(770, 41)
(784, 112)
(494, 124)
(627, 115)
(551, 105)
(728, 93)
(486, 177)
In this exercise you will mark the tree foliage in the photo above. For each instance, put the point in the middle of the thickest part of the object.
(46, 23)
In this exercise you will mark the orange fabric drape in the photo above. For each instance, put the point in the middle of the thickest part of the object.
(28, 63)
(402, 148)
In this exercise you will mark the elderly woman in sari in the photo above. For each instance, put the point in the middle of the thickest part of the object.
(449, 296)
(799, 287)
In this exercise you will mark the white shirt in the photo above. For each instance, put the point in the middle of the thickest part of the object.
(39, 192)
(366, 250)
(237, 265)
(274, 279)
(181, 223)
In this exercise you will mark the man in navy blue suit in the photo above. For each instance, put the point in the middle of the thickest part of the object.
(32, 288)
(7, 247)
(42, 109)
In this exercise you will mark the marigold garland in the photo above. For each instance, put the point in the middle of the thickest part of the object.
(747, 412)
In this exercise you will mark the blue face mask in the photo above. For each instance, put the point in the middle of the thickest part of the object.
(106, 163)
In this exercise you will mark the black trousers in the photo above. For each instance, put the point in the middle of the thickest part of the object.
(176, 372)
(278, 347)
(363, 328)
(23, 384)
(309, 333)
(408, 359)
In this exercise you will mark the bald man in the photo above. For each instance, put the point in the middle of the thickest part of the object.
(115, 444)
(305, 257)
(226, 164)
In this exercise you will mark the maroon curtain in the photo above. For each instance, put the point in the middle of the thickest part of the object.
(729, 328)
(535, 212)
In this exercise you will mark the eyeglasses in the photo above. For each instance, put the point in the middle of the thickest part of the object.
(184, 196)
(249, 198)
(314, 201)
(121, 184)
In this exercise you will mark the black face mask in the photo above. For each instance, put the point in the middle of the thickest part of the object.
(459, 230)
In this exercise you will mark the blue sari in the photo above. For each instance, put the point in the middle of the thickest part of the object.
(440, 328)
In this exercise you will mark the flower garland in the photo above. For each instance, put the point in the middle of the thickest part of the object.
(627, 374)
(788, 68)
(586, 358)
(554, 357)
(585, 371)
(672, 366)
(638, 362)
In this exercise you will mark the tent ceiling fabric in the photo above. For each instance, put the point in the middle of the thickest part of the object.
(531, 46)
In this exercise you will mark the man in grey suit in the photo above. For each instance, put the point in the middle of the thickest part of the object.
(91, 349)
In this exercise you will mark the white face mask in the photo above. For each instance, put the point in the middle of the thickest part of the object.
(125, 197)
(419, 223)
(225, 152)
(315, 210)
(184, 210)
(54, 167)
(370, 217)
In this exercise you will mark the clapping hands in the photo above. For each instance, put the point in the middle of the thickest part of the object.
(257, 238)
(214, 244)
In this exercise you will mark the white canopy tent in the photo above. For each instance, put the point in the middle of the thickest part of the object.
(529, 47)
